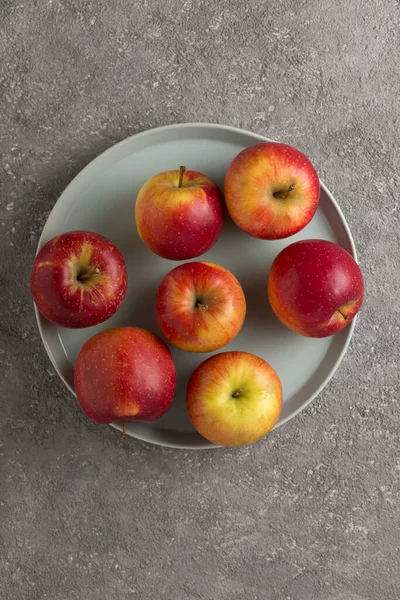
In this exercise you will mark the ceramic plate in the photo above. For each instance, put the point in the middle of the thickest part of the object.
(101, 199)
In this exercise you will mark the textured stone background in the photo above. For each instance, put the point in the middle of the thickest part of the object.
(311, 513)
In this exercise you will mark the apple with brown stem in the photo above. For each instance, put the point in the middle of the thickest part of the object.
(315, 287)
(200, 306)
(78, 279)
(179, 214)
(123, 374)
(271, 190)
(234, 398)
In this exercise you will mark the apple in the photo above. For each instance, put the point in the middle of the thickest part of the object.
(234, 398)
(78, 279)
(315, 287)
(271, 190)
(179, 214)
(125, 373)
(200, 306)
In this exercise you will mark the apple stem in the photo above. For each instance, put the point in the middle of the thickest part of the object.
(237, 394)
(201, 306)
(182, 169)
(345, 317)
(84, 276)
(123, 434)
(282, 194)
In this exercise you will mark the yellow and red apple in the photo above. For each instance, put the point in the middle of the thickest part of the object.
(123, 374)
(179, 214)
(271, 190)
(78, 279)
(200, 306)
(315, 287)
(234, 398)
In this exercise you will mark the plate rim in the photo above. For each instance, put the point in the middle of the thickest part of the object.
(161, 130)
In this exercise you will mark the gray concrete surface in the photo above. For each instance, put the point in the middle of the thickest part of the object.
(311, 513)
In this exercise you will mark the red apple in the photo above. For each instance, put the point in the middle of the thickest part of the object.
(200, 307)
(234, 398)
(125, 374)
(271, 190)
(78, 279)
(179, 214)
(315, 287)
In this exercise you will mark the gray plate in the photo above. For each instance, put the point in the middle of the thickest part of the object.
(101, 199)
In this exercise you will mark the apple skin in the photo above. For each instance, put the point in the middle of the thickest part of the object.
(125, 373)
(234, 398)
(179, 223)
(259, 172)
(200, 307)
(315, 287)
(78, 279)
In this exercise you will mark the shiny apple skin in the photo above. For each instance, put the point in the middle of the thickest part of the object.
(315, 287)
(58, 292)
(234, 398)
(259, 172)
(179, 223)
(125, 373)
(200, 307)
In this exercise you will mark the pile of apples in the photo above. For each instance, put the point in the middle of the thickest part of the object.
(315, 288)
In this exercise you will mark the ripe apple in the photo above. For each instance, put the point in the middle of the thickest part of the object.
(78, 279)
(315, 287)
(234, 398)
(179, 214)
(271, 190)
(200, 306)
(125, 373)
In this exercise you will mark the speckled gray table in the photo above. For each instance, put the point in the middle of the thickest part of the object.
(311, 513)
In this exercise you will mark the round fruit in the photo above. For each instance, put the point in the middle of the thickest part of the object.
(234, 398)
(124, 374)
(179, 214)
(200, 307)
(315, 287)
(271, 190)
(78, 279)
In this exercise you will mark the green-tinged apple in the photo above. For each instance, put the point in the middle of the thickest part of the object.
(179, 214)
(200, 306)
(78, 279)
(271, 190)
(123, 374)
(315, 287)
(234, 398)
